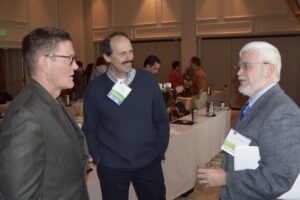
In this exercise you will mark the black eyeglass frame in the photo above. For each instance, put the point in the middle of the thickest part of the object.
(71, 58)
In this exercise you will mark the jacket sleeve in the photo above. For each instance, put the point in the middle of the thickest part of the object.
(279, 146)
(22, 156)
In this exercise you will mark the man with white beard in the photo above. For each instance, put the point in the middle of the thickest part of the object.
(270, 120)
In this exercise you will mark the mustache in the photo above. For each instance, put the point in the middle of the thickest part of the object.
(128, 61)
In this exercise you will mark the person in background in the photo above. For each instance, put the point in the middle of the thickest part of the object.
(5, 97)
(175, 77)
(101, 68)
(271, 121)
(175, 109)
(187, 78)
(43, 152)
(152, 64)
(78, 82)
(87, 73)
(199, 86)
(199, 80)
(127, 134)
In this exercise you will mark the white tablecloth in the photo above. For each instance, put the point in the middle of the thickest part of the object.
(189, 146)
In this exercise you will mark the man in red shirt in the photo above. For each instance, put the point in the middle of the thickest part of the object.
(175, 77)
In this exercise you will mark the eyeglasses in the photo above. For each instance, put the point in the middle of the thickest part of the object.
(245, 65)
(71, 59)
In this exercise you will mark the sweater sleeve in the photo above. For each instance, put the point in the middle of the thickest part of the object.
(160, 120)
(90, 125)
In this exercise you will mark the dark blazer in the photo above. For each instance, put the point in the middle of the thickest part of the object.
(43, 154)
(272, 124)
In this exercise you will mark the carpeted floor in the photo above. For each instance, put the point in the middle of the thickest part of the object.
(201, 193)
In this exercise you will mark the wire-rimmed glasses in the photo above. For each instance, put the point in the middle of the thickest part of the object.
(245, 65)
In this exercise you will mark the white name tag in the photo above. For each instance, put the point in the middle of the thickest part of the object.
(233, 140)
(119, 92)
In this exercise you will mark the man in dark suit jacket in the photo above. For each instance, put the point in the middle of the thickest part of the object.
(43, 153)
(272, 123)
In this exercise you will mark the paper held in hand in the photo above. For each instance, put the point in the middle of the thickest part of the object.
(233, 140)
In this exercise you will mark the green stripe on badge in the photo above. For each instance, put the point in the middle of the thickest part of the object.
(229, 145)
(118, 95)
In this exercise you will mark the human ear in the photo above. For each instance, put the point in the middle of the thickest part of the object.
(270, 70)
(44, 64)
(107, 58)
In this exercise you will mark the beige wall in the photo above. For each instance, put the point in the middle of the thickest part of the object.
(20, 17)
(192, 21)
(160, 19)
(90, 20)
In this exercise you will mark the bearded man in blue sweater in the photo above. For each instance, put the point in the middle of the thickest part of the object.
(126, 125)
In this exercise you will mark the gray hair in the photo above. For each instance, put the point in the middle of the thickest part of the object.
(41, 41)
(267, 53)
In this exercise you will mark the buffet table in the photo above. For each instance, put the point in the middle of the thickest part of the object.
(189, 146)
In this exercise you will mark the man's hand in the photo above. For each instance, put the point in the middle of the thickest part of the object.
(211, 177)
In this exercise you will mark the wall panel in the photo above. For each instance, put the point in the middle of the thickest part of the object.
(208, 9)
(277, 26)
(171, 11)
(159, 32)
(43, 13)
(255, 8)
(100, 13)
(15, 32)
(133, 12)
(231, 28)
(72, 22)
(14, 10)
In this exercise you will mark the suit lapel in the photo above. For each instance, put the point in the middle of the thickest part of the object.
(64, 120)
(71, 131)
(242, 124)
(77, 134)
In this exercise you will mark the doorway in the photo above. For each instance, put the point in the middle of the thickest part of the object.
(12, 75)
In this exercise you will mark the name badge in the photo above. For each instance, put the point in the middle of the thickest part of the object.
(119, 92)
(233, 140)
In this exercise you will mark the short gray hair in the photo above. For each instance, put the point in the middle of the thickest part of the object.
(267, 53)
(40, 41)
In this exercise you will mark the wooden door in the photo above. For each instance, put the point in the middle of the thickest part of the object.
(14, 71)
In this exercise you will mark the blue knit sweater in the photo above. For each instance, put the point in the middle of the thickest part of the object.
(131, 135)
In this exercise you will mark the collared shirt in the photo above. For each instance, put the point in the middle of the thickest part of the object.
(253, 99)
(127, 80)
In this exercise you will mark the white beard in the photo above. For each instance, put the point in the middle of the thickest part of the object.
(251, 91)
(246, 90)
